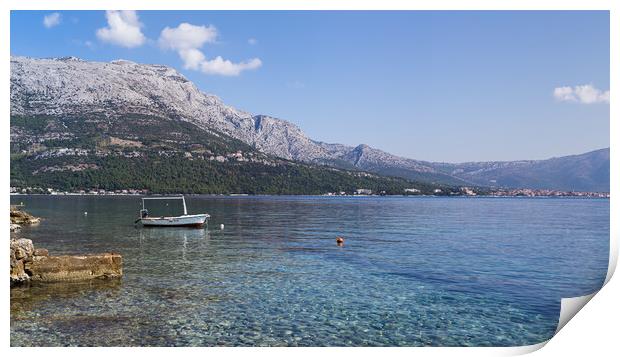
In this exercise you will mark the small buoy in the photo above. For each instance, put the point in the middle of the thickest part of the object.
(222, 226)
(339, 241)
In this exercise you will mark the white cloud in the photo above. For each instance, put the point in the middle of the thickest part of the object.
(252, 41)
(51, 20)
(187, 39)
(187, 36)
(564, 93)
(223, 67)
(124, 29)
(586, 94)
(192, 58)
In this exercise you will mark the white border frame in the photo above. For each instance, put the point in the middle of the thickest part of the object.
(596, 322)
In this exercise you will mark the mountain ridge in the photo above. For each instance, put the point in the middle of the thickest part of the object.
(70, 86)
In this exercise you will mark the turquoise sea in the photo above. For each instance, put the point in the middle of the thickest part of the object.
(414, 271)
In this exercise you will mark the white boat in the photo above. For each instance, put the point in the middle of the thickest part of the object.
(186, 220)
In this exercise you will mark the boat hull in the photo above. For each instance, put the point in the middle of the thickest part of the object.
(192, 220)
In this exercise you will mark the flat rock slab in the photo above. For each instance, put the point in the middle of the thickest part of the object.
(75, 267)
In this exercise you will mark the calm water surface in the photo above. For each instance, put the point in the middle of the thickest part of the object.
(412, 272)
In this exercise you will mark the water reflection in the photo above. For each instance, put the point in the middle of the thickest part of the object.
(177, 236)
(172, 233)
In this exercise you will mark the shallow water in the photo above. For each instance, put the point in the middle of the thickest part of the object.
(412, 272)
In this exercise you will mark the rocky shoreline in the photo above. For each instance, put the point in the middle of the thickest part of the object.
(30, 264)
(20, 218)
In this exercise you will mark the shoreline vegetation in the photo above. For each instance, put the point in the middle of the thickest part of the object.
(362, 192)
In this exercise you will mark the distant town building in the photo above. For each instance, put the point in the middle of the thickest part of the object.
(363, 191)
(468, 191)
(412, 190)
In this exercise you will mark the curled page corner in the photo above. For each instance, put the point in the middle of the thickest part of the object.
(570, 307)
(523, 350)
(613, 258)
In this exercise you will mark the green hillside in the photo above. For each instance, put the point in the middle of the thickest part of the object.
(166, 155)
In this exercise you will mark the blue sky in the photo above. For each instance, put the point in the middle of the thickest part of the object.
(441, 86)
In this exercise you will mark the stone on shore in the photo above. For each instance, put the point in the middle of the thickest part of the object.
(72, 268)
(41, 252)
(22, 217)
(21, 251)
(30, 264)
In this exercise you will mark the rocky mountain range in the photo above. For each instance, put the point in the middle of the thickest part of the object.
(120, 89)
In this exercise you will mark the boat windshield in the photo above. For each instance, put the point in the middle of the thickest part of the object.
(164, 206)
